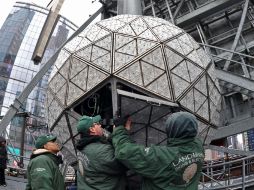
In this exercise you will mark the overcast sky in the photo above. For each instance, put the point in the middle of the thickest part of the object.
(77, 11)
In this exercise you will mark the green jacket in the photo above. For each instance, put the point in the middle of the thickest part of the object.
(43, 172)
(162, 167)
(99, 168)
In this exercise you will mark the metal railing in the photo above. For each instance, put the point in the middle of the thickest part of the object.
(230, 173)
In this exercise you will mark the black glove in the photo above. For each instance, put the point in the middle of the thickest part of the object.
(121, 120)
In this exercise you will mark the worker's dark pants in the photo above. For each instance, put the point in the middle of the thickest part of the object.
(2, 176)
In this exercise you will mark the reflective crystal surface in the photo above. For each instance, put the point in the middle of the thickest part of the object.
(147, 52)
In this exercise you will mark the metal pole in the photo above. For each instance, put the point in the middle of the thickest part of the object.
(23, 116)
(238, 33)
(243, 175)
(132, 7)
(170, 12)
(154, 14)
(114, 97)
(30, 86)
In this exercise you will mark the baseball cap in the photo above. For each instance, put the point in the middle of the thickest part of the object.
(42, 140)
(86, 122)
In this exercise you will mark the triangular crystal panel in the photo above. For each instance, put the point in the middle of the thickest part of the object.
(85, 53)
(174, 44)
(185, 44)
(180, 85)
(74, 93)
(152, 22)
(195, 58)
(161, 86)
(194, 71)
(128, 49)
(96, 32)
(125, 54)
(50, 96)
(199, 99)
(138, 26)
(201, 85)
(113, 26)
(121, 41)
(172, 58)
(214, 93)
(155, 58)
(182, 71)
(127, 18)
(104, 62)
(62, 57)
(65, 69)
(105, 43)
(144, 46)
(84, 43)
(93, 32)
(73, 44)
(204, 110)
(121, 60)
(150, 72)
(188, 100)
(55, 108)
(162, 32)
(127, 30)
(204, 57)
(132, 74)
(98, 52)
(61, 94)
(148, 35)
(94, 77)
(57, 82)
(76, 67)
(81, 83)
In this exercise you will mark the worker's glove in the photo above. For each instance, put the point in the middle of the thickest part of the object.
(121, 120)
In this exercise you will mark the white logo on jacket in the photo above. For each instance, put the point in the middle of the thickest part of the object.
(40, 169)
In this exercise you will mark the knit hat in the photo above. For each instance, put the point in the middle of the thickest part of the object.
(181, 125)
(86, 122)
(42, 140)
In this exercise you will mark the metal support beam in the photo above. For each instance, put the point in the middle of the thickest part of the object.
(132, 7)
(178, 8)
(229, 51)
(114, 97)
(47, 31)
(230, 151)
(235, 128)
(147, 99)
(23, 116)
(238, 34)
(235, 79)
(170, 12)
(204, 11)
(70, 130)
(152, 5)
(30, 86)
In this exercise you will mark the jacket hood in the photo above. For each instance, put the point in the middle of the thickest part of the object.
(37, 152)
(88, 139)
(181, 125)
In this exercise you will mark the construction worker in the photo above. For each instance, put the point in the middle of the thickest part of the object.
(43, 169)
(175, 166)
(98, 167)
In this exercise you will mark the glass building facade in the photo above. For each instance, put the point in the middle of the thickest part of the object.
(18, 38)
